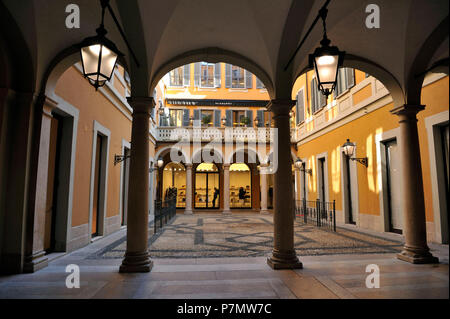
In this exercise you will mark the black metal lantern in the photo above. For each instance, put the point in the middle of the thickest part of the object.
(349, 150)
(99, 55)
(326, 61)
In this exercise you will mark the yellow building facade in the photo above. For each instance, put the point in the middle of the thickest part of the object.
(360, 112)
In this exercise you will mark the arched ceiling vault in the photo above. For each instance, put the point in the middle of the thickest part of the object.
(259, 34)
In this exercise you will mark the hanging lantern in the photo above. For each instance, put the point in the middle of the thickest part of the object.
(99, 55)
(326, 61)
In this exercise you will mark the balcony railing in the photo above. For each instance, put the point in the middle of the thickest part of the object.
(236, 134)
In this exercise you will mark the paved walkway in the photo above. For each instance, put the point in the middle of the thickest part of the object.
(248, 235)
(324, 276)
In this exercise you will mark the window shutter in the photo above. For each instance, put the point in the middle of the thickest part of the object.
(260, 115)
(338, 85)
(313, 96)
(228, 75)
(197, 74)
(249, 114)
(322, 99)
(217, 75)
(229, 114)
(187, 75)
(196, 115)
(248, 80)
(217, 114)
(186, 115)
(350, 77)
(301, 106)
(259, 84)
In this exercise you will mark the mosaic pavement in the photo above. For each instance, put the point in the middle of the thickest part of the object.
(201, 236)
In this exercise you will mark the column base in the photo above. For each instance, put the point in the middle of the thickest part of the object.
(226, 212)
(188, 212)
(264, 212)
(417, 256)
(287, 260)
(136, 262)
(35, 262)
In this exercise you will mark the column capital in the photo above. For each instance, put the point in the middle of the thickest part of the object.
(188, 165)
(141, 104)
(226, 166)
(281, 107)
(47, 103)
(408, 110)
(49, 106)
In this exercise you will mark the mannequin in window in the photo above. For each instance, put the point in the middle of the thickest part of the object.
(216, 194)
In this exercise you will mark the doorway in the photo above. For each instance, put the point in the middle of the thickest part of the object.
(321, 179)
(207, 187)
(393, 186)
(53, 183)
(240, 186)
(97, 185)
(174, 181)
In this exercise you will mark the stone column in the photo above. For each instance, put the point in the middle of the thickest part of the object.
(35, 258)
(263, 176)
(188, 210)
(137, 258)
(226, 189)
(298, 191)
(283, 255)
(415, 250)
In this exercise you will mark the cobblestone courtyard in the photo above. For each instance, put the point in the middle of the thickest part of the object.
(248, 235)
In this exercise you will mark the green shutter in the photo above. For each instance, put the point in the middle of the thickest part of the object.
(186, 117)
(187, 75)
(217, 75)
(228, 75)
(229, 115)
(350, 77)
(313, 96)
(259, 84)
(217, 114)
(249, 114)
(197, 74)
(248, 80)
(260, 115)
(300, 106)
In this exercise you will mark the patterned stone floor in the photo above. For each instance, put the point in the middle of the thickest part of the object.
(334, 266)
(247, 235)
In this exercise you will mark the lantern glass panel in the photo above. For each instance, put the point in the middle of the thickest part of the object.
(326, 70)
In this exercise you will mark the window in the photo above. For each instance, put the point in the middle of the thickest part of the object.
(176, 77)
(207, 114)
(345, 80)
(237, 77)
(237, 117)
(259, 84)
(176, 118)
(207, 75)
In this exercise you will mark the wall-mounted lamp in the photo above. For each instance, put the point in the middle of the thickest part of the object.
(299, 165)
(120, 158)
(349, 150)
(224, 121)
(159, 164)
